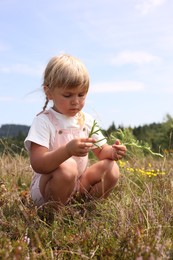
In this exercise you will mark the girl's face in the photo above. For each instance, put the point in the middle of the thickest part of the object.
(67, 101)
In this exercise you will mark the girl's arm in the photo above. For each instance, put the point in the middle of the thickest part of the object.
(114, 152)
(45, 161)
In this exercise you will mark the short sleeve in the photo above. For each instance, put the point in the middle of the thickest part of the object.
(39, 133)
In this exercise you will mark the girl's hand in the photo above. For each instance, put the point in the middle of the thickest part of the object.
(118, 150)
(79, 147)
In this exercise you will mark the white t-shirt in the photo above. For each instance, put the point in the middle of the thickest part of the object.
(43, 131)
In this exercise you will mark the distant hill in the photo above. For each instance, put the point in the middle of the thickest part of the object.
(13, 130)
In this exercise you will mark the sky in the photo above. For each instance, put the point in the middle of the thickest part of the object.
(127, 47)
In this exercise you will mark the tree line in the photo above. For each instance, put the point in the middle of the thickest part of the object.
(157, 135)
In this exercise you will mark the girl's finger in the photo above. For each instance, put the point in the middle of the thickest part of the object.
(87, 140)
(117, 142)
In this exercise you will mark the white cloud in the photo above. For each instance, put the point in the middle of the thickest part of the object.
(22, 69)
(136, 57)
(146, 6)
(122, 86)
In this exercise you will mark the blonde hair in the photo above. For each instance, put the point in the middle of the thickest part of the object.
(65, 71)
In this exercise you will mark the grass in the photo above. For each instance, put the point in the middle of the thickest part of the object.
(135, 222)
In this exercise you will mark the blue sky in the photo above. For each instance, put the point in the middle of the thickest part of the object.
(127, 47)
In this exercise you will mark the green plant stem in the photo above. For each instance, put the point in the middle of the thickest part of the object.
(93, 131)
(144, 148)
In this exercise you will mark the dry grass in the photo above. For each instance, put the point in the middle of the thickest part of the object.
(136, 222)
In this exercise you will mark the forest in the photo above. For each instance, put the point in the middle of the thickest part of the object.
(158, 136)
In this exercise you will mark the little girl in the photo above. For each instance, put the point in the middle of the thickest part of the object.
(58, 141)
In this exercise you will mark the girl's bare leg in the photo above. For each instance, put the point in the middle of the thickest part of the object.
(59, 185)
(100, 178)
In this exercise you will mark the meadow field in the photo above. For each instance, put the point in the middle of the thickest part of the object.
(135, 222)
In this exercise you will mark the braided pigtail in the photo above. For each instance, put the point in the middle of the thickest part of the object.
(45, 105)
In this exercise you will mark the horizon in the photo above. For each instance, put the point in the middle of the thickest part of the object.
(117, 126)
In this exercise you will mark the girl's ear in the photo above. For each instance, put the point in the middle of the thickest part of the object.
(48, 93)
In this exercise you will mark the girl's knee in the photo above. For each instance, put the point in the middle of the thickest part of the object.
(116, 172)
(69, 176)
(110, 165)
(69, 172)
(112, 170)
(64, 176)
